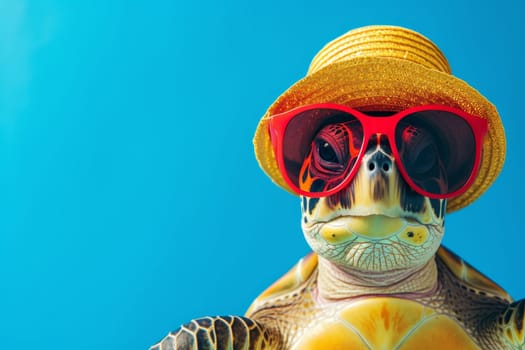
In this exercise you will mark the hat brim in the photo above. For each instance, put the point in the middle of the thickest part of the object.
(389, 84)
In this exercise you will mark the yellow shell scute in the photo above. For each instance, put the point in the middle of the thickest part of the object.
(439, 332)
(384, 322)
(387, 323)
(289, 282)
(335, 336)
(469, 275)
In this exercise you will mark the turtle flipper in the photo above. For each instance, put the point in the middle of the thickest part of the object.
(220, 332)
(511, 325)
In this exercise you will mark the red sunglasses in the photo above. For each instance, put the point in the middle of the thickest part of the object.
(319, 147)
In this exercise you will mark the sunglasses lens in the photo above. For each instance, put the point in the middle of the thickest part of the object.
(437, 150)
(320, 147)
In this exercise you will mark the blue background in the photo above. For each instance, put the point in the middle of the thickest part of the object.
(130, 198)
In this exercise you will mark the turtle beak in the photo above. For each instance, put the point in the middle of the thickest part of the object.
(376, 186)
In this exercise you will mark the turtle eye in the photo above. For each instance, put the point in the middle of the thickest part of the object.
(330, 149)
(333, 151)
(326, 152)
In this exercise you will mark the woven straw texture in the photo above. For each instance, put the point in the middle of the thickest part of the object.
(385, 68)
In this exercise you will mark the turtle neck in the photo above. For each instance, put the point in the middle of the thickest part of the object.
(336, 282)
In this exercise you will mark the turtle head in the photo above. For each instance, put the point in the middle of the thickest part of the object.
(377, 222)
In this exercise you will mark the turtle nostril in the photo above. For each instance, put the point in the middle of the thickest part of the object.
(379, 163)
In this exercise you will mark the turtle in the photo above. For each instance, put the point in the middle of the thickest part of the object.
(378, 276)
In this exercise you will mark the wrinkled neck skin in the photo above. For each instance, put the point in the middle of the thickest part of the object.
(338, 282)
(376, 237)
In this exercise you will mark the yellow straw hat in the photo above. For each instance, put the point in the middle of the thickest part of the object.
(386, 68)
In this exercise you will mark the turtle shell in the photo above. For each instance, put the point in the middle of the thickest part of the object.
(470, 276)
(288, 283)
(386, 323)
(377, 321)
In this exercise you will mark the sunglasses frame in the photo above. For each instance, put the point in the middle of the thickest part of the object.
(375, 125)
